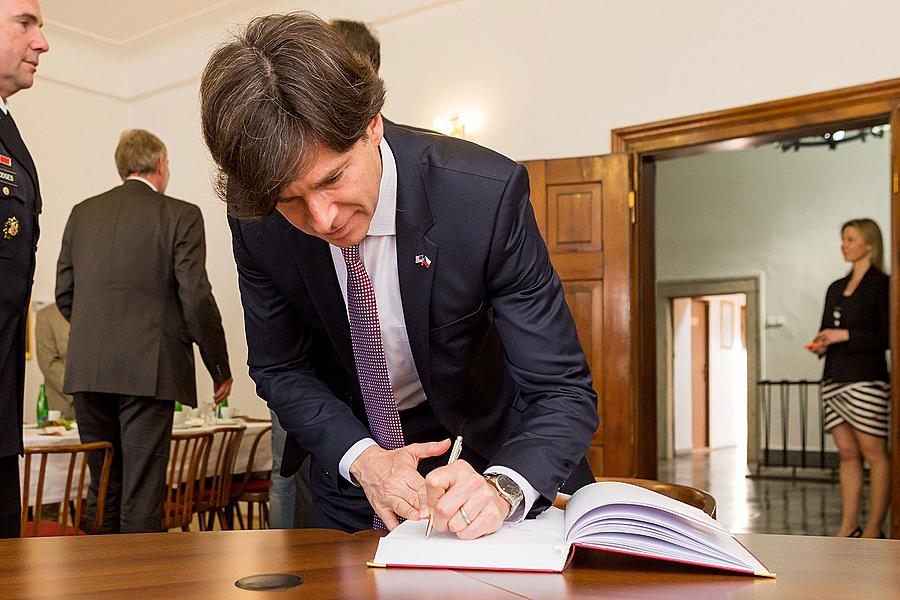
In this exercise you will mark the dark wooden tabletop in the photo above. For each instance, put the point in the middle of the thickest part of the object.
(332, 564)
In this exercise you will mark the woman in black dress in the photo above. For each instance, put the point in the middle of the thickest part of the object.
(856, 389)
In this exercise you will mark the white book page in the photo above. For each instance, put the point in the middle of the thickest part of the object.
(620, 516)
(533, 545)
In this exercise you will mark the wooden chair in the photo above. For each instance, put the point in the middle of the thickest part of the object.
(78, 456)
(186, 453)
(252, 488)
(213, 492)
(683, 493)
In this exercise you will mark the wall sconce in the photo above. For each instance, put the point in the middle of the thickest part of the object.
(462, 125)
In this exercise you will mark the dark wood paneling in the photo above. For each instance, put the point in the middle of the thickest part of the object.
(894, 263)
(790, 114)
(582, 209)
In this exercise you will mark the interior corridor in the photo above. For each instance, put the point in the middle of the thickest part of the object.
(758, 505)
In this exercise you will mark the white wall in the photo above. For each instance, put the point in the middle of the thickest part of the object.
(551, 80)
(727, 376)
(762, 211)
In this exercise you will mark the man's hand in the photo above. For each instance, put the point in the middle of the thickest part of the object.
(221, 390)
(391, 482)
(456, 487)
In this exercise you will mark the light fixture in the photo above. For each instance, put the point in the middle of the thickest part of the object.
(463, 124)
(833, 138)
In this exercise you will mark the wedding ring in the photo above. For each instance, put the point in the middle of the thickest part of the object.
(465, 517)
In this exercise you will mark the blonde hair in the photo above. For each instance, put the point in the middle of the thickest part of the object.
(138, 152)
(872, 235)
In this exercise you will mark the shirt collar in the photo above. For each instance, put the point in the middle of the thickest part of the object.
(4, 106)
(384, 221)
(139, 178)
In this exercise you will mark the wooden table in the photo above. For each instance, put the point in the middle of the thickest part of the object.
(57, 466)
(332, 564)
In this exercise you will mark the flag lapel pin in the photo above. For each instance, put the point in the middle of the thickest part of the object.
(423, 260)
(5, 160)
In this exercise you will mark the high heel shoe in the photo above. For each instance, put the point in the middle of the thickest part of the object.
(856, 533)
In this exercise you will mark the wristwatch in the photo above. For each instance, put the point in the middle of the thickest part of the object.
(508, 489)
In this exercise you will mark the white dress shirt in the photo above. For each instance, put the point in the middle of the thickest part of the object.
(378, 252)
(139, 178)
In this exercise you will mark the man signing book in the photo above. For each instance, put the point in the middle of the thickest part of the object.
(396, 292)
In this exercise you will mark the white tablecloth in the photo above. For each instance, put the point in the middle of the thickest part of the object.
(57, 466)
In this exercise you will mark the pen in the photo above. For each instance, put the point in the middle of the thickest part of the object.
(454, 454)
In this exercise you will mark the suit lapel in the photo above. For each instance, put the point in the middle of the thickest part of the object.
(414, 219)
(314, 262)
(14, 143)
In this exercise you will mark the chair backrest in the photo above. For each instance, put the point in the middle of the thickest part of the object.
(683, 493)
(263, 434)
(186, 453)
(217, 467)
(78, 462)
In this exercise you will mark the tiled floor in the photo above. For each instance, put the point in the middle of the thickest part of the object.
(757, 505)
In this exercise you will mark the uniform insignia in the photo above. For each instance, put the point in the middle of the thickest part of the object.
(10, 228)
(5, 161)
(5, 191)
(423, 260)
(8, 177)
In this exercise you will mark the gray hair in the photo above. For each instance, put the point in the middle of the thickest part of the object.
(274, 94)
(138, 152)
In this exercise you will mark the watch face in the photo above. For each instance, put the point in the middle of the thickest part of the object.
(508, 485)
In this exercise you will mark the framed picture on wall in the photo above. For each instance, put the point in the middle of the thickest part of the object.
(726, 329)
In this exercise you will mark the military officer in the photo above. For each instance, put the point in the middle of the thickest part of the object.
(21, 43)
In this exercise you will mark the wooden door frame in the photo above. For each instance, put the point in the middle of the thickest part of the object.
(747, 126)
(666, 291)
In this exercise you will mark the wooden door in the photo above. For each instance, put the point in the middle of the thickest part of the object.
(583, 211)
(699, 374)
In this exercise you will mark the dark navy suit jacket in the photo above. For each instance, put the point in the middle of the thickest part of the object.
(491, 335)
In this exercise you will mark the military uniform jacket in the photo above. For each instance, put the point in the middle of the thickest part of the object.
(131, 279)
(20, 205)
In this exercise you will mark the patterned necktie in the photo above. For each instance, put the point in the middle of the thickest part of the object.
(368, 354)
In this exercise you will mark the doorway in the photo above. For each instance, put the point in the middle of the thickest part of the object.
(729, 346)
(749, 126)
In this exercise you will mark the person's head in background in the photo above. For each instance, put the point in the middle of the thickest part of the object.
(21, 43)
(143, 154)
(861, 241)
(359, 38)
(292, 118)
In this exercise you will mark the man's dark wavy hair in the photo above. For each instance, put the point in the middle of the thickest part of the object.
(271, 96)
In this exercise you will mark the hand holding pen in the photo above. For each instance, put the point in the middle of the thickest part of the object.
(454, 454)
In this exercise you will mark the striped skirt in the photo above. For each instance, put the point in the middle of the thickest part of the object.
(864, 405)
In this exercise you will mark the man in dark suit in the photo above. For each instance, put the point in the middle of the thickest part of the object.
(132, 281)
(395, 286)
(21, 43)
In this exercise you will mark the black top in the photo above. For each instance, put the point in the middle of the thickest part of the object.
(865, 315)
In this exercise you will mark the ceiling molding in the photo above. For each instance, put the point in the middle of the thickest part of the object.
(147, 32)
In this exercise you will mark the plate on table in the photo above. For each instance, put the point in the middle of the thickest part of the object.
(224, 421)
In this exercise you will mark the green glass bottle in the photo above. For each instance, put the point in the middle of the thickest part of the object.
(177, 406)
(220, 406)
(42, 409)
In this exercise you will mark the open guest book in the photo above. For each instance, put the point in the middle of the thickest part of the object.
(610, 516)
